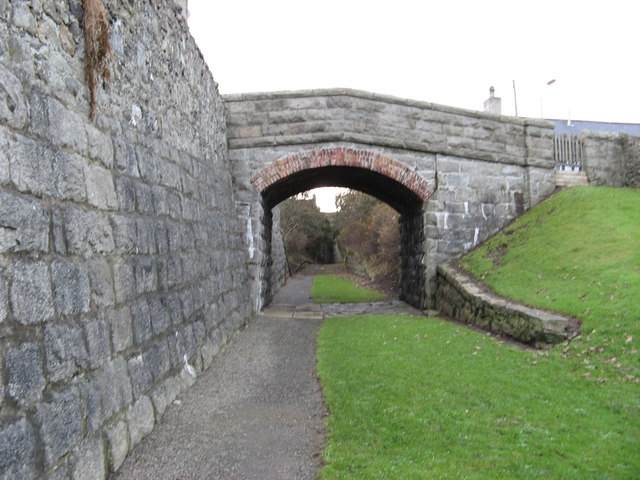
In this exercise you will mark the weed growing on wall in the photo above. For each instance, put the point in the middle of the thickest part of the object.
(97, 48)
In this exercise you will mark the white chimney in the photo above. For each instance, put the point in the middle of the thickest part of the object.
(493, 104)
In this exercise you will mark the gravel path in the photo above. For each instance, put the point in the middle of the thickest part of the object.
(256, 413)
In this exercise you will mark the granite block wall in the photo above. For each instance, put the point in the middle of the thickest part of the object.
(612, 159)
(122, 256)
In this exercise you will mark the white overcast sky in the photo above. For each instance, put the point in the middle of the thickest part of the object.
(446, 51)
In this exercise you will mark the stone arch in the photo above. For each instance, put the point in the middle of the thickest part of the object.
(382, 177)
(339, 159)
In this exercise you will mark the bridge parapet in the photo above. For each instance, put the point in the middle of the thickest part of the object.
(344, 115)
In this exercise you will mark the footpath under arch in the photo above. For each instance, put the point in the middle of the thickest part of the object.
(359, 169)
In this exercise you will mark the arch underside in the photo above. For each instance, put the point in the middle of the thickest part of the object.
(372, 183)
(299, 177)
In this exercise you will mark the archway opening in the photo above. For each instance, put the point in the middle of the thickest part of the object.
(389, 190)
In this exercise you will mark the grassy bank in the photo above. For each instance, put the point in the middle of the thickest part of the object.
(577, 253)
(423, 398)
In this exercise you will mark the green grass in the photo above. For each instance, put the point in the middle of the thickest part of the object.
(414, 398)
(577, 253)
(332, 289)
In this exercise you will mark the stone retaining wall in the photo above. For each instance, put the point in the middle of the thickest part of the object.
(612, 159)
(122, 259)
(462, 298)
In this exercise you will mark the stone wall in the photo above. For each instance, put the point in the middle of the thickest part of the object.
(122, 260)
(632, 168)
(473, 201)
(612, 159)
(462, 298)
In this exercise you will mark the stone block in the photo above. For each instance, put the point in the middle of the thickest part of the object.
(118, 442)
(102, 294)
(175, 308)
(24, 224)
(175, 237)
(160, 400)
(24, 370)
(71, 286)
(31, 167)
(148, 165)
(100, 146)
(189, 341)
(60, 418)
(126, 193)
(4, 157)
(123, 280)
(160, 313)
(120, 325)
(65, 351)
(69, 177)
(105, 393)
(90, 461)
(145, 236)
(144, 198)
(199, 330)
(141, 322)
(101, 192)
(141, 420)
(87, 233)
(4, 303)
(161, 201)
(169, 174)
(98, 343)
(66, 128)
(140, 375)
(13, 107)
(162, 239)
(18, 458)
(30, 293)
(157, 360)
(125, 159)
(57, 231)
(124, 234)
(176, 349)
(145, 274)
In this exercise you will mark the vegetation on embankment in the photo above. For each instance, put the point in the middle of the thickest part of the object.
(576, 253)
(424, 398)
(332, 289)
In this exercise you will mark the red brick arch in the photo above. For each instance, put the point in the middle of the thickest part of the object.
(342, 157)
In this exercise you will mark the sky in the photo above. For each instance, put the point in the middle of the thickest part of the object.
(445, 51)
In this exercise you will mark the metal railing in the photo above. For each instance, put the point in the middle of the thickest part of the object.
(568, 152)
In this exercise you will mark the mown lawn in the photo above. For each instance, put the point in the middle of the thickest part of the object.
(332, 289)
(423, 398)
(576, 253)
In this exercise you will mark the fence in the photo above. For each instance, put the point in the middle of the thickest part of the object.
(568, 152)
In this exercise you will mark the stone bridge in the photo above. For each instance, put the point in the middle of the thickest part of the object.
(455, 176)
(134, 245)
